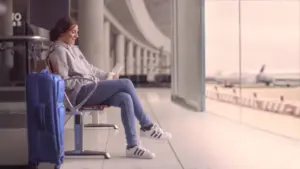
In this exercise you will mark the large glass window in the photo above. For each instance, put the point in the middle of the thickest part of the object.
(270, 55)
(253, 63)
(12, 60)
(222, 56)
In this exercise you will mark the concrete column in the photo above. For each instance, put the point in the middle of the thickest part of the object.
(151, 61)
(138, 67)
(152, 67)
(2, 8)
(189, 52)
(157, 62)
(6, 29)
(112, 58)
(174, 45)
(91, 21)
(145, 62)
(129, 59)
(167, 63)
(107, 43)
(120, 51)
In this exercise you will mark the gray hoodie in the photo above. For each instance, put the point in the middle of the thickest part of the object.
(68, 61)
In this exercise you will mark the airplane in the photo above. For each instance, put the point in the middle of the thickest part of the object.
(267, 79)
(287, 79)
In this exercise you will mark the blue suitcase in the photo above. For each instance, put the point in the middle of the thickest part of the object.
(45, 118)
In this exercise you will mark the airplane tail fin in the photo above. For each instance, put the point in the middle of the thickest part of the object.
(262, 69)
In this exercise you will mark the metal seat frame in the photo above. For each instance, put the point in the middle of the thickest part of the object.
(95, 113)
(78, 112)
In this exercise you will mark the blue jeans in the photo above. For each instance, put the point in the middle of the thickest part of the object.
(118, 93)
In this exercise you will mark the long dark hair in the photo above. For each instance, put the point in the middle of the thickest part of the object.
(61, 26)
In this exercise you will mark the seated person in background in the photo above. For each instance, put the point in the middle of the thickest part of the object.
(67, 60)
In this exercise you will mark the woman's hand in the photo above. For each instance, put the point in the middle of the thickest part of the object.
(115, 76)
(112, 75)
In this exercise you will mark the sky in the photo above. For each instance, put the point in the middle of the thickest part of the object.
(270, 34)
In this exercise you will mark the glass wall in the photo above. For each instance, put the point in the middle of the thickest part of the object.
(222, 54)
(12, 60)
(19, 21)
(253, 63)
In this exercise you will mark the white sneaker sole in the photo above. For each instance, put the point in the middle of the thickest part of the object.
(140, 157)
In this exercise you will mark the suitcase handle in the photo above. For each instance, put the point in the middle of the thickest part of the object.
(44, 71)
(40, 113)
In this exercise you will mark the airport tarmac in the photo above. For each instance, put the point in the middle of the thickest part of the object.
(267, 117)
(272, 93)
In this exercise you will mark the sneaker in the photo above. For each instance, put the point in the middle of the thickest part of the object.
(156, 133)
(139, 152)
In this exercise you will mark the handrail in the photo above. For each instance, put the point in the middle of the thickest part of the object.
(23, 39)
(26, 40)
(119, 26)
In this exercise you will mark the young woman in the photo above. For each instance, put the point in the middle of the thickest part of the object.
(67, 60)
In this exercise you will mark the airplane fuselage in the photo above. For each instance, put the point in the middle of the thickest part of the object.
(269, 79)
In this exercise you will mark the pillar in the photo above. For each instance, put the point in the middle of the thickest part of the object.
(112, 58)
(165, 61)
(151, 62)
(91, 26)
(151, 67)
(107, 44)
(157, 62)
(167, 64)
(138, 66)
(6, 29)
(120, 50)
(188, 49)
(145, 62)
(3, 8)
(129, 59)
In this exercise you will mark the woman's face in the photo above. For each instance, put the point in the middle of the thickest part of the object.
(71, 35)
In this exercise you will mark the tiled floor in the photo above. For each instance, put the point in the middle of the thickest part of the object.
(200, 141)
(114, 142)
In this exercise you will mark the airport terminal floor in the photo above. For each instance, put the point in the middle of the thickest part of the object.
(203, 140)
(200, 141)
